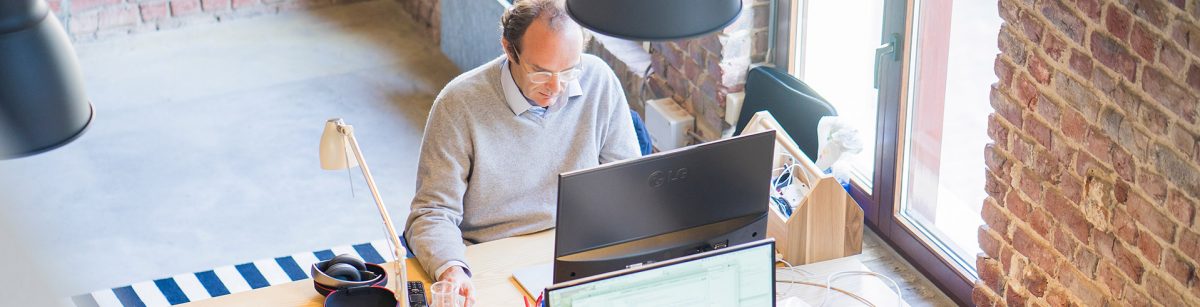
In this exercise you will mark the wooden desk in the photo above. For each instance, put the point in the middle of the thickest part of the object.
(492, 264)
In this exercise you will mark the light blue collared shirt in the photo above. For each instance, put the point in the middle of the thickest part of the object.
(519, 104)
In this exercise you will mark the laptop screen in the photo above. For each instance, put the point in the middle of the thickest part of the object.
(735, 276)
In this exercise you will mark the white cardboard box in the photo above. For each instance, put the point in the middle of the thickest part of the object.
(668, 124)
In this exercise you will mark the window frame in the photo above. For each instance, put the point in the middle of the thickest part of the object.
(880, 201)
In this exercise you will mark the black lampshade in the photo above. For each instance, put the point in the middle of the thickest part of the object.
(654, 20)
(42, 102)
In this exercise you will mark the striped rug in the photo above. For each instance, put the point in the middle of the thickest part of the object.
(191, 287)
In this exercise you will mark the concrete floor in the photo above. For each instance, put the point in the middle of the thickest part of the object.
(204, 147)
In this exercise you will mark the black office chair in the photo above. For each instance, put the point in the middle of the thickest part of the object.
(794, 104)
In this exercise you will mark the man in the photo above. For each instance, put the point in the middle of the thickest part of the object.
(498, 136)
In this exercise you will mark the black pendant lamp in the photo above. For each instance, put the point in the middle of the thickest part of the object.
(654, 20)
(42, 102)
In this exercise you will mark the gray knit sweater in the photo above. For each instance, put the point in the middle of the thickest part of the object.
(486, 173)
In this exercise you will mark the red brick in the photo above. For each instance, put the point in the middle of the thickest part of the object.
(1063, 18)
(85, 5)
(1014, 298)
(1039, 70)
(1178, 267)
(1004, 71)
(1128, 262)
(1180, 207)
(1182, 139)
(1148, 215)
(1124, 227)
(1111, 277)
(1033, 246)
(1149, 10)
(1189, 244)
(995, 187)
(1172, 58)
(1058, 296)
(214, 5)
(1089, 292)
(184, 7)
(1054, 46)
(1100, 145)
(1121, 190)
(1104, 82)
(998, 132)
(1123, 163)
(153, 11)
(1193, 78)
(114, 17)
(983, 297)
(1177, 170)
(1135, 297)
(1149, 247)
(1038, 130)
(1031, 27)
(991, 274)
(1187, 35)
(1006, 107)
(1154, 185)
(1162, 291)
(1144, 42)
(1030, 184)
(1113, 55)
(1040, 222)
(1117, 21)
(1034, 281)
(1153, 119)
(1089, 8)
(1071, 187)
(1081, 63)
(1026, 91)
(990, 239)
(1081, 258)
(1017, 206)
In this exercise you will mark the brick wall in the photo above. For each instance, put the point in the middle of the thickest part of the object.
(428, 14)
(1094, 173)
(87, 20)
(698, 73)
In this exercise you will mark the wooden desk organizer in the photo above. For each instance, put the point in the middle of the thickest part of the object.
(827, 223)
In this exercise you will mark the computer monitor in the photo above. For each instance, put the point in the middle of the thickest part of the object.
(663, 206)
(742, 275)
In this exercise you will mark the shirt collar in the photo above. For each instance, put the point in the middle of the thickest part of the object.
(516, 101)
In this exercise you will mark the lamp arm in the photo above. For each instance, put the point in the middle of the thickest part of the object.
(398, 250)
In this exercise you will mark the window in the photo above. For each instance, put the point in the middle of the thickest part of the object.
(950, 66)
(914, 76)
(849, 85)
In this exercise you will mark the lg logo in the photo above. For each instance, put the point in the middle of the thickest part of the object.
(660, 178)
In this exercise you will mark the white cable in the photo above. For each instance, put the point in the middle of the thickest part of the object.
(835, 276)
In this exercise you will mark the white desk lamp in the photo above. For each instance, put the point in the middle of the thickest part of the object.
(335, 156)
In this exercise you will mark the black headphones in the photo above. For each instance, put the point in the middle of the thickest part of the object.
(348, 268)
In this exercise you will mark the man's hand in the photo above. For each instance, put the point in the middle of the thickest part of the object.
(457, 276)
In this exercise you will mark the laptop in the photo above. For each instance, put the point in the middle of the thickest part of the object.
(742, 275)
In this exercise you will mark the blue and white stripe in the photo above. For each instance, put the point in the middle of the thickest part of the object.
(227, 280)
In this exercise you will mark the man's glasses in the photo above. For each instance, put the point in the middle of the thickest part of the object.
(545, 76)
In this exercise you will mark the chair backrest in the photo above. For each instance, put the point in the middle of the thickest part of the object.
(796, 106)
(643, 136)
